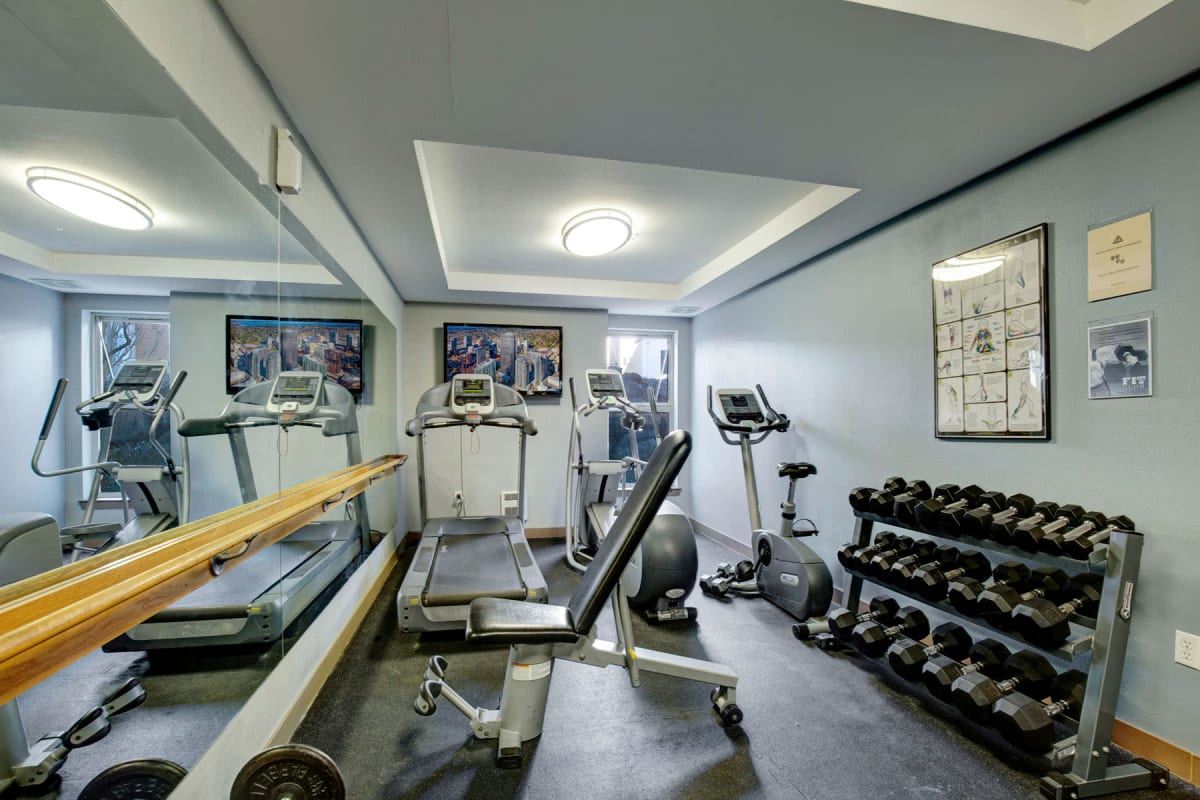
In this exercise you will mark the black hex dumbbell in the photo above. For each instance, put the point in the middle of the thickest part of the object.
(988, 656)
(1002, 530)
(885, 503)
(881, 563)
(847, 552)
(1088, 522)
(975, 694)
(903, 569)
(841, 621)
(1083, 546)
(860, 560)
(978, 521)
(872, 639)
(963, 594)
(950, 519)
(929, 511)
(1046, 624)
(907, 656)
(1029, 723)
(996, 603)
(860, 498)
(1080, 540)
(906, 510)
(931, 582)
(1028, 537)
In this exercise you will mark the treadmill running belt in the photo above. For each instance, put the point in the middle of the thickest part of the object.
(470, 566)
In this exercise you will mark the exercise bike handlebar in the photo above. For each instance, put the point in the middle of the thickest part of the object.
(775, 422)
(51, 414)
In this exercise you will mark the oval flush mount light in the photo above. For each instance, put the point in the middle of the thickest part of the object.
(596, 232)
(89, 198)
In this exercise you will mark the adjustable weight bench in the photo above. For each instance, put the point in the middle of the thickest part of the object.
(537, 634)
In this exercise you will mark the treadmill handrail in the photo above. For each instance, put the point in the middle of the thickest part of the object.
(436, 419)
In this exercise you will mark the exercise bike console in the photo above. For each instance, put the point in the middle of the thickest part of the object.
(740, 406)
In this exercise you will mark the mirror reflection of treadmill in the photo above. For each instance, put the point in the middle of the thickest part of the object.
(254, 602)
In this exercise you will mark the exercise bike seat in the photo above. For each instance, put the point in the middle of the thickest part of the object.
(796, 469)
(493, 620)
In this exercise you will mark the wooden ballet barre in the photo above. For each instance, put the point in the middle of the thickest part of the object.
(50, 620)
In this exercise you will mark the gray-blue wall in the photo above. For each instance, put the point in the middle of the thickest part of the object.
(31, 352)
(843, 345)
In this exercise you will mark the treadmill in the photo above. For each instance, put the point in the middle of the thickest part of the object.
(253, 602)
(461, 558)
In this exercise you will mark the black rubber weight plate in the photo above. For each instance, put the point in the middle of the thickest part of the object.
(292, 771)
(147, 779)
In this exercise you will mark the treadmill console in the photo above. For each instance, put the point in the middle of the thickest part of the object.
(471, 397)
(603, 384)
(294, 394)
(141, 380)
(740, 405)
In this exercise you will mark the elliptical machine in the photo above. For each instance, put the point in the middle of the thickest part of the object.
(662, 572)
(785, 570)
(155, 497)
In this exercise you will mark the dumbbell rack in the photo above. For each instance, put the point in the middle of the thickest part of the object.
(1106, 638)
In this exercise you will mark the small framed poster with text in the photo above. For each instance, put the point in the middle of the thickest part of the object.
(991, 340)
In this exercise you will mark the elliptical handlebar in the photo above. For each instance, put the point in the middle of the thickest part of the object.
(51, 414)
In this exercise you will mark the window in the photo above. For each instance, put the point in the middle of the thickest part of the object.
(646, 360)
(117, 338)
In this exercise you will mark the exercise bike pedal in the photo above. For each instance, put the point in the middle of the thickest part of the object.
(426, 702)
(126, 697)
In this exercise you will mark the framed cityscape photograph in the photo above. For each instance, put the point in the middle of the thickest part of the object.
(991, 340)
(527, 358)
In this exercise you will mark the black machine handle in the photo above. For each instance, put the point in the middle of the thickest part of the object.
(52, 412)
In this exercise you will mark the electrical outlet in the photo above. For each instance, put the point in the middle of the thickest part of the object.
(1187, 649)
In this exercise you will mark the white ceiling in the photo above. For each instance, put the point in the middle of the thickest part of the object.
(209, 233)
(683, 219)
(903, 107)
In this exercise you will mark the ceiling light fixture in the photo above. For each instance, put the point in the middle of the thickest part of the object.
(89, 198)
(596, 232)
(961, 269)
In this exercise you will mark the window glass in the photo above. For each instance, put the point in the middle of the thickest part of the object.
(646, 362)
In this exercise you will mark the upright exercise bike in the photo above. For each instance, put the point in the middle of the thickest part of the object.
(785, 570)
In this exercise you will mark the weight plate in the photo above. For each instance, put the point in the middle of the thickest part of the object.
(145, 779)
(291, 771)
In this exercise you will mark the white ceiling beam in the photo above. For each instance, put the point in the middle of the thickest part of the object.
(555, 285)
(796, 216)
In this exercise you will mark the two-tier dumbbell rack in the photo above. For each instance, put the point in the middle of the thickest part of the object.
(1106, 637)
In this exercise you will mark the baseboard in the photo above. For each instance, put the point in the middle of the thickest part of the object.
(741, 548)
(271, 715)
(1183, 765)
(545, 533)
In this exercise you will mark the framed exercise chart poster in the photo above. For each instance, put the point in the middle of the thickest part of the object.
(991, 339)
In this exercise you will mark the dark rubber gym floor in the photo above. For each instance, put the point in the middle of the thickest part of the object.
(817, 725)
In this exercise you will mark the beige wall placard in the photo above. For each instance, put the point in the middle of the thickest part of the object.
(1119, 258)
